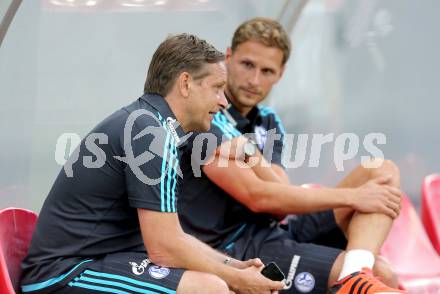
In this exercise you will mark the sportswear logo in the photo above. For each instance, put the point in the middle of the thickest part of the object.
(158, 272)
(292, 271)
(139, 269)
(305, 282)
(170, 123)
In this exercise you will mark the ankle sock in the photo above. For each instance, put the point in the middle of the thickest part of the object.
(355, 260)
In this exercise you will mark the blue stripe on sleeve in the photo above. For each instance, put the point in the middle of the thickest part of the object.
(163, 174)
(170, 172)
(176, 178)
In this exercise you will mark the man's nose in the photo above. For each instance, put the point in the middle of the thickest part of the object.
(254, 79)
(222, 101)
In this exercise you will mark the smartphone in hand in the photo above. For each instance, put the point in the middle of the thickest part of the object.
(273, 272)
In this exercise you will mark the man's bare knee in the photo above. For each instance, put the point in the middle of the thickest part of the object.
(374, 168)
(379, 167)
(198, 283)
(214, 285)
(384, 270)
(390, 166)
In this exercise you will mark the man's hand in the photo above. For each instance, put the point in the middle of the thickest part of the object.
(376, 196)
(254, 264)
(251, 281)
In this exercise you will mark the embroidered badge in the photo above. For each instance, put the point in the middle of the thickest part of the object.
(158, 272)
(304, 282)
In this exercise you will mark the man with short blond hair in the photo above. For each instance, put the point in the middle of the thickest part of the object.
(235, 205)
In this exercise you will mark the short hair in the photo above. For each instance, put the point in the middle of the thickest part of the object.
(266, 31)
(177, 54)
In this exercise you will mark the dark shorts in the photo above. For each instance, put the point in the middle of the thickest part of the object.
(317, 228)
(125, 272)
(291, 246)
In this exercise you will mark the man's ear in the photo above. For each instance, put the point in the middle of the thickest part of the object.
(228, 54)
(184, 84)
(283, 67)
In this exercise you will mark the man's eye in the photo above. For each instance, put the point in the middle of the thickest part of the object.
(247, 64)
(267, 72)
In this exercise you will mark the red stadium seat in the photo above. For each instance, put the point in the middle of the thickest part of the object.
(431, 209)
(16, 227)
(410, 252)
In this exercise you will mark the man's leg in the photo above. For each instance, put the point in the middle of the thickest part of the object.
(200, 283)
(127, 272)
(366, 231)
(321, 229)
(306, 266)
(381, 269)
(190, 283)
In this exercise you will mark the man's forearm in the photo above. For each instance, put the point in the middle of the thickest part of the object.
(180, 250)
(190, 253)
(263, 169)
(290, 199)
(262, 196)
(278, 198)
(216, 255)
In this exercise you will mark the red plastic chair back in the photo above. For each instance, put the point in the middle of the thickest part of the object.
(16, 228)
(431, 209)
(410, 252)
